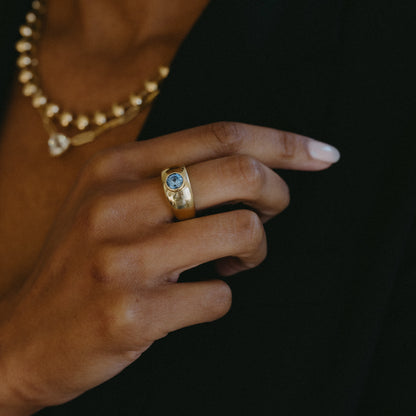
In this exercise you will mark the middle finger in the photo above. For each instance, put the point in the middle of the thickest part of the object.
(233, 179)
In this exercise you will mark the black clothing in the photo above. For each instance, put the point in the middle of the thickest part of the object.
(325, 325)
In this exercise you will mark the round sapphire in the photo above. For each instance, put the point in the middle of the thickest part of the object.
(174, 181)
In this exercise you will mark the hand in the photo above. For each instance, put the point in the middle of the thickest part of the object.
(105, 287)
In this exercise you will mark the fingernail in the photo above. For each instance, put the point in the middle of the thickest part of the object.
(323, 151)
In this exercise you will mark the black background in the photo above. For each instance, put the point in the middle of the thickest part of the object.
(325, 325)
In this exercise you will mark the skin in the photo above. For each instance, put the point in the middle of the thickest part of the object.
(90, 291)
(86, 58)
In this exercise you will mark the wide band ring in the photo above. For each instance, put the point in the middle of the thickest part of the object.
(178, 191)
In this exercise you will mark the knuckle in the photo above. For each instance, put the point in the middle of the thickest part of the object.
(92, 215)
(141, 312)
(250, 171)
(249, 229)
(128, 320)
(229, 136)
(103, 164)
(103, 266)
(96, 168)
(289, 145)
(122, 268)
(115, 319)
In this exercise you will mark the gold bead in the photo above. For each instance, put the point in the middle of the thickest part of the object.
(24, 61)
(25, 75)
(164, 71)
(82, 122)
(99, 118)
(29, 89)
(39, 100)
(36, 5)
(23, 46)
(150, 86)
(31, 18)
(51, 109)
(65, 119)
(117, 110)
(26, 31)
(136, 100)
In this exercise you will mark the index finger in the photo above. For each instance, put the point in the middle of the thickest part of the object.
(275, 148)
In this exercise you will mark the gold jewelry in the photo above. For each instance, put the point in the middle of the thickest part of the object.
(83, 128)
(178, 191)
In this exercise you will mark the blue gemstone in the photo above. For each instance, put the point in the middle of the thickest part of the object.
(174, 181)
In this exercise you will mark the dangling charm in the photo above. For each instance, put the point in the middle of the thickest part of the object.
(58, 143)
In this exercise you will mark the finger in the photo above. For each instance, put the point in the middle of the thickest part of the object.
(239, 179)
(229, 266)
(183, 304)
(125, 213)
(274, 148)
(135, 319)
(180, 246)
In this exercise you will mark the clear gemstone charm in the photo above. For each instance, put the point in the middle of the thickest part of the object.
(174, 181)
(58, 143)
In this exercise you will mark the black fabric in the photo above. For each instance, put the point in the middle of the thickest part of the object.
(11, 16)
(326, 324)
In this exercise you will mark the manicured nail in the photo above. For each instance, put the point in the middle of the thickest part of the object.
(323, 151)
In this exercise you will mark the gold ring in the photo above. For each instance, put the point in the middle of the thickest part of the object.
(178, 191)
